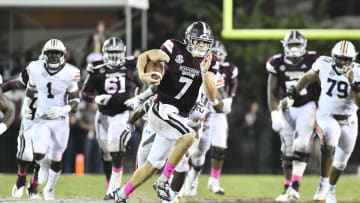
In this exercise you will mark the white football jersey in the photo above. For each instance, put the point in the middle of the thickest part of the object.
(335, 97)
(52, 87)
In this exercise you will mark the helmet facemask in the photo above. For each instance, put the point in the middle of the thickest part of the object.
(54, 59)
(114, 52)
(294, 44)
(199, 47)
(199, 39)
(343, 55)
(341, 64)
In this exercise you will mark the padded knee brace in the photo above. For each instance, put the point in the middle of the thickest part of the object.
(286, 161)
(327, 150)
(339, 165)
(301, 156)
(117, 158)
(56, 166)
(38, 157)
(218, 153)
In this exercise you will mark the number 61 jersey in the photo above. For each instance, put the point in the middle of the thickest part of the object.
(52, 87)
(118, 81)
(335, 97)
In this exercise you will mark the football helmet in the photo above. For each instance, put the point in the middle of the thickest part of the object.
(343, 54)
(53, 54)
(294, 44)
(219, 50)
(196, 33)
(114, 52)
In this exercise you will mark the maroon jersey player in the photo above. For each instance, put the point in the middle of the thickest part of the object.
(188, 65)
(110, 83)
(284, 72)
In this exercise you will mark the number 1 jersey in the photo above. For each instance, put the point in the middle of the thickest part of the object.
(52, 87)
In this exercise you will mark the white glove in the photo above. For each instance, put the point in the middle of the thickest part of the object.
(57, 111)
(166, 109)
(3, 128)
(277, 123)
(227, 104)
(286, 103)
(133, 102)
(102, 99)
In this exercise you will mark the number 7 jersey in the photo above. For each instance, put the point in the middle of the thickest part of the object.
(52, 87)
(335, 96)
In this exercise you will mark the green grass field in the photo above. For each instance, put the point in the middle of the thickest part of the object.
(236, 187)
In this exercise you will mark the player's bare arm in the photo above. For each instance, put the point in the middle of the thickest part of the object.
(144, 58)
(9, 113)
(272, 95)
(355, 85)
(208, 80)
(310, 77)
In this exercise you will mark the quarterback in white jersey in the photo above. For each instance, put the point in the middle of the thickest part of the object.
(336, 119)
(56, 85)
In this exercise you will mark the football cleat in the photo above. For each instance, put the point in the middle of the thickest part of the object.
(321, 192)
(49, 193)
(293, 194)
(17, 192)
(331, 197)
(32, 192)
(117, 196)
(162, 190)
(214, 186)
(109, 196)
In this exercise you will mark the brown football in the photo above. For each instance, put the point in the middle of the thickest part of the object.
(155, 67)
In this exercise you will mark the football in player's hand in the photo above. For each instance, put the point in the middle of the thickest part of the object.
(156, 68)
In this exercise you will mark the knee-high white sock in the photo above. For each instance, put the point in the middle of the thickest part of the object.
(53, 178)
(298, 170)
(115, 179)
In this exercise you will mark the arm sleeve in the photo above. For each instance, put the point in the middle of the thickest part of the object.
(88, 91)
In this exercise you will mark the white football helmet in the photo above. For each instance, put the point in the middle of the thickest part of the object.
(343, 53)
(53, 53)
(114, 52)
(294, 44)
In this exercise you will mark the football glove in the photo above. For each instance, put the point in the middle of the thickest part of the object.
(277, 123)
(134, 102)
(102, 99)
(57, 111)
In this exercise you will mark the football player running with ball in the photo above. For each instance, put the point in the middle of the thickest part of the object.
(188, 64)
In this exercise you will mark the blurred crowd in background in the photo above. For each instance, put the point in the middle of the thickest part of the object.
(253, 146)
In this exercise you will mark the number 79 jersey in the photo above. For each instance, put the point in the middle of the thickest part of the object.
(52, 87)
(335, 96)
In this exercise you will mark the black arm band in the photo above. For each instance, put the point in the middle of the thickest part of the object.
(355, 87)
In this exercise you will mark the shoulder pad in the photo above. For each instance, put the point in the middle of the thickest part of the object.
(130, 58)
(276, 56)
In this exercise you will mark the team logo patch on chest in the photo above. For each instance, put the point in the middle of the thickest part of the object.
(303, 66)
(179, 59)
(332, 73)
(282, 68)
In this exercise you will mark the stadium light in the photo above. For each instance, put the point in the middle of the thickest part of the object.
(275, 34)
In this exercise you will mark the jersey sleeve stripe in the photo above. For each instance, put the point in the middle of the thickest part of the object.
(169, 45)
(235, 73)
(270, 68)
(77, 76)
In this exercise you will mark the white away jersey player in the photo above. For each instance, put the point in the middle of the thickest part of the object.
(52, 87)
(335, 97)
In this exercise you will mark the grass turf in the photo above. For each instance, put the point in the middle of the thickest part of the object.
(236, 187)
